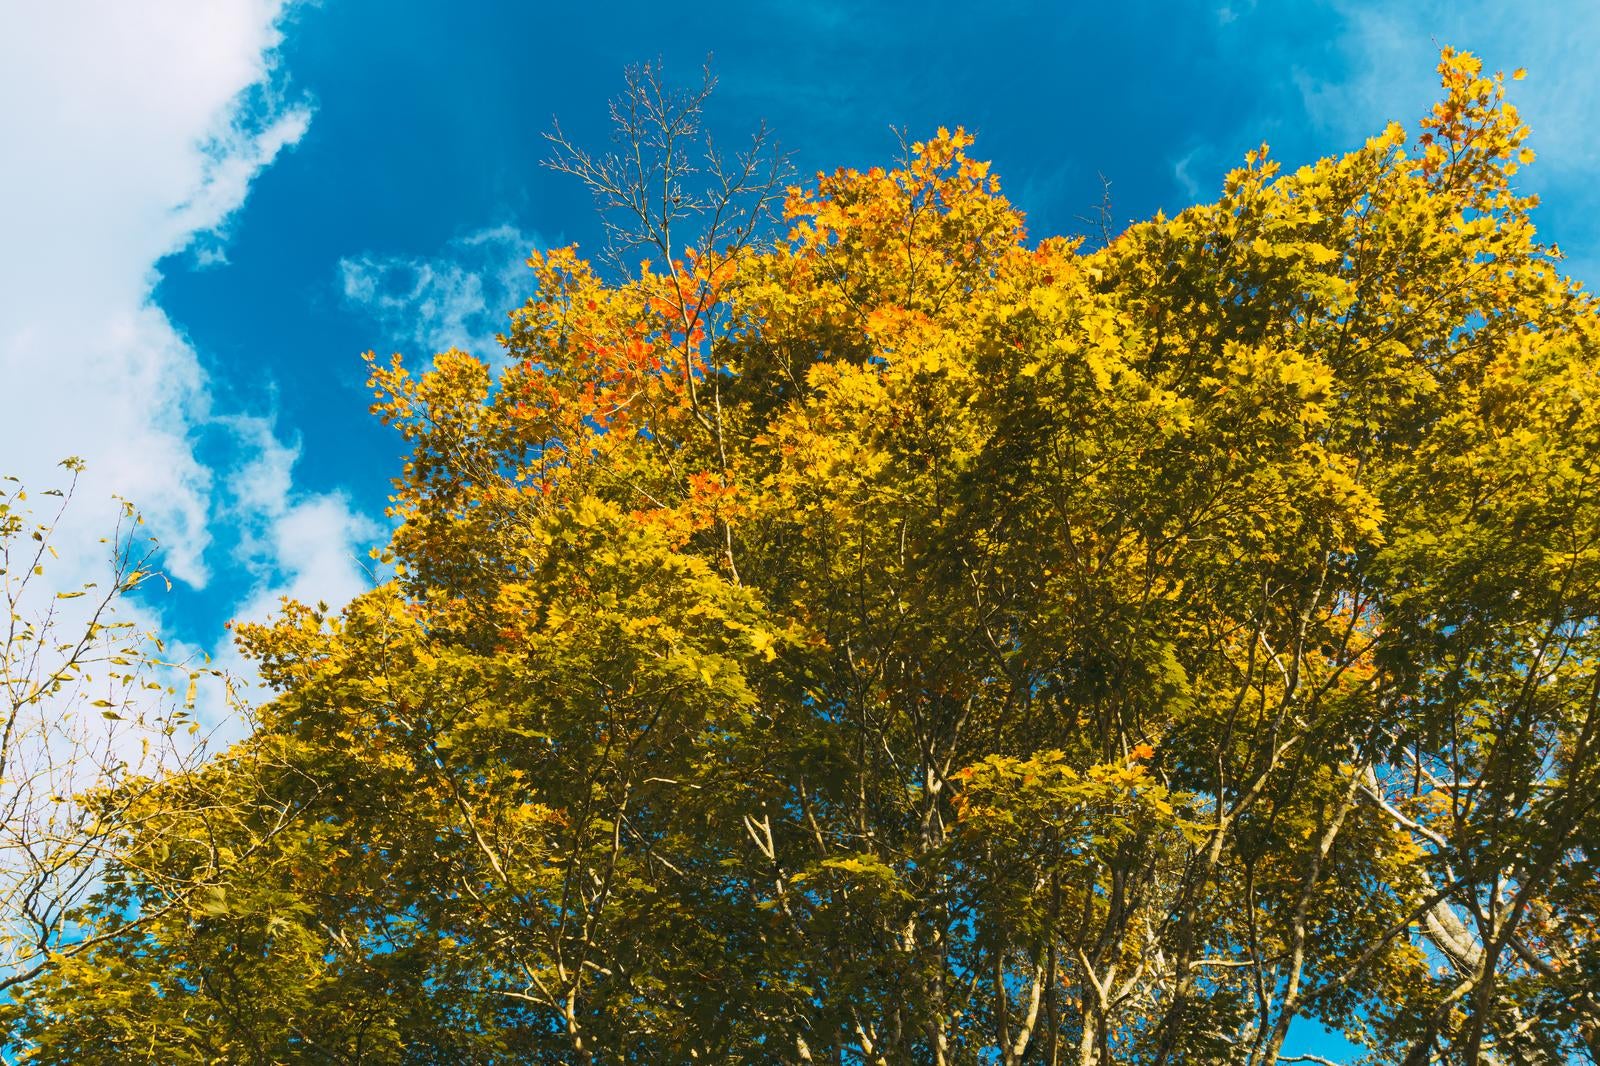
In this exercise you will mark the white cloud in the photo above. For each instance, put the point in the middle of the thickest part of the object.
(128, 124)
(458, 299)
(306, 547)
(131, 132)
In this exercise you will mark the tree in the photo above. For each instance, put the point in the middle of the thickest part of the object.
(908, 643)
(84, 722)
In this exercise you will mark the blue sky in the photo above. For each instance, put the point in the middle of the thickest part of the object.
(212, 207)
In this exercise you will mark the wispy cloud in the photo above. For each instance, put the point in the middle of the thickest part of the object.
(1183, 171)
(1228, 13)
(253, 138)
(456, 299)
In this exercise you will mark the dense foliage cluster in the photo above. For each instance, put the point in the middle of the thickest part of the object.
(915, 643)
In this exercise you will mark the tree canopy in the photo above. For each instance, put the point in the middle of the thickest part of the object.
(907, 641)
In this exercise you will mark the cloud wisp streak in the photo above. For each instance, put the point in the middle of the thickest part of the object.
(457, 299)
